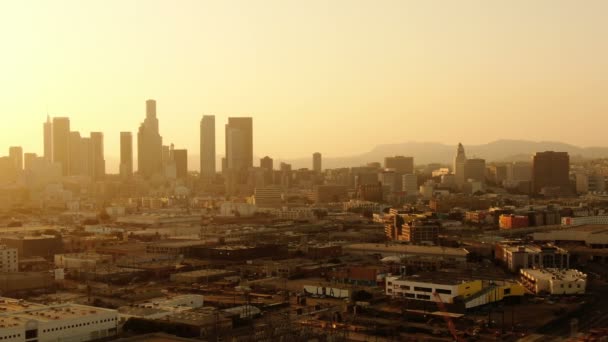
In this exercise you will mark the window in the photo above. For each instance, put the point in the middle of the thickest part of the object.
(410, 295)
(420, 296)
(443, 291)
(32, 333)
(507, 292)
(423, 289)
(404, 287)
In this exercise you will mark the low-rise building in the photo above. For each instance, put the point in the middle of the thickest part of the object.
(427, 288)
(456, 255)
(513, 221)
(554, 281)
(421, 232)
(24, 321)
(205, 276)
(458, 292)
(81, 261)
(9, 261)
(516, 257)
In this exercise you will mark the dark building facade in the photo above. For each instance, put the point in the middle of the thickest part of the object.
(551, 170)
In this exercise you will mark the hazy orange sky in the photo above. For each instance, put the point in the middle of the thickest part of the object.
(336, 76)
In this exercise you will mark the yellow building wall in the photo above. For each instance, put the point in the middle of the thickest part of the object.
(470, 288)
(498, 293)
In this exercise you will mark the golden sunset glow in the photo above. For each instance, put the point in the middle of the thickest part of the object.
(371, 72)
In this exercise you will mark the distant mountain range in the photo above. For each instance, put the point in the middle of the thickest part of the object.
(429, 152)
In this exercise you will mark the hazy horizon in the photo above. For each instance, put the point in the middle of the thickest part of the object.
(337, 77)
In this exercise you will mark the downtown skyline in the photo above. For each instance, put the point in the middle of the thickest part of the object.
(427, 75)
(194, 162)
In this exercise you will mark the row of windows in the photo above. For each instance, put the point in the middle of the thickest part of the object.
(79, 325)
(422, 289)
(8, 337)
(411, 295)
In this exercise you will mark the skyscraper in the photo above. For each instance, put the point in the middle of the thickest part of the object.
(316, 162)
(207, 152)
(475, 169)
(180, 158)
(267, 163)
(61, 143)
(459, 162)
(551, 170)
(48, 139)
(97, 166)
(239, 144)
(126, 154)
(239, 155)
(78, 156)
(28, 160)
(16, 155)
(149, 144)
(401, 164)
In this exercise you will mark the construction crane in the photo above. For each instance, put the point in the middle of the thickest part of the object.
(447, 318)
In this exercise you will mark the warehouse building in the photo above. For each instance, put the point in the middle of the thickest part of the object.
(23, 321)
(554, 281)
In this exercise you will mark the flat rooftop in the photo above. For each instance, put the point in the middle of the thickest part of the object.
(15, 312)
(401, 249)
(443, 278)
(205, 273)
(554, 273)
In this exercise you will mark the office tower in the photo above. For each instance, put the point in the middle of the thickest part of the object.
(519, 171)
(149, 144)
(267, 163)
(78, 157)
(97, 167)
(551, 170)
(459, 162)
(8, 173)
(410, 184)
(28, 160)
(285, 175)
(61, 143)
(16, 155)
(268, 197)
(239, 144)
(180, 158)
(388, 179)
(475, 169)
(85, 157)
(48, 139)
(166, 154)
(316, 162)
(400, 164)
(207, 152)
(126, 154)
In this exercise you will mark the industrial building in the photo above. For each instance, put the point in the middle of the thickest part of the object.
(9, 260)
(24, 321)
(457, 255)
(532, 256)
(205, 276)
(240, 252)
(554, 281)
(463, 292)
